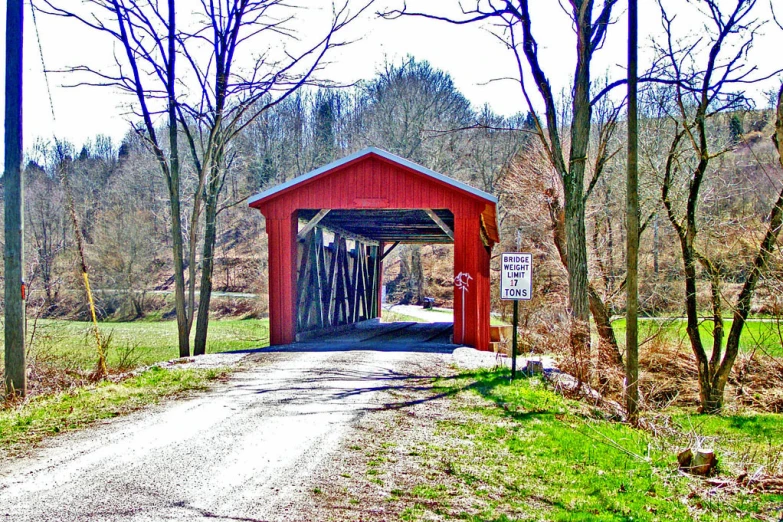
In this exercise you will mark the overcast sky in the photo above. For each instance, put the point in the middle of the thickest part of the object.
(469, 53)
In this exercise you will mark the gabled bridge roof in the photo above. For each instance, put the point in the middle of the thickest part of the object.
(383, 210)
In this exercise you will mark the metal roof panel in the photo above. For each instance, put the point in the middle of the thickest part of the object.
(365, 152)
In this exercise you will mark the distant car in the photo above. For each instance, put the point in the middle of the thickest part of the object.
(428, 302)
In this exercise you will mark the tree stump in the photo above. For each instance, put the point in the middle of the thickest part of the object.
(700, 462)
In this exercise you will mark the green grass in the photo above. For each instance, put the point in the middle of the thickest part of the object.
(387, 316)
(71, 343)
(24, 426)
(746, 441)
(535, 455)
(756, 335)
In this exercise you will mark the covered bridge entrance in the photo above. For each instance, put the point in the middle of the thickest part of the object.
(327, 271)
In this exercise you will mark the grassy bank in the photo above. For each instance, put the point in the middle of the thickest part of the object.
(61, 355)
(522, 452)
(70, 344)
(758, 334)
(23, 425)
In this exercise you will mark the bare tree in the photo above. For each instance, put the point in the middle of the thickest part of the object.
(225, 98)
(701, 92)
(230, 97)
(513, 25)
(146, 69)
(411, 110)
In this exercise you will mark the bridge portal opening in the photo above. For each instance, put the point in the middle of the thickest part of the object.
(341, 256)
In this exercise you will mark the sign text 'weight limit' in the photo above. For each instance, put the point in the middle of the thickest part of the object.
(516, 276)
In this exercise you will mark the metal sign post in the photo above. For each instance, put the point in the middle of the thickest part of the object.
(516, 284)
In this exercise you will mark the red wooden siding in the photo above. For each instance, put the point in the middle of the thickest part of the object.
(373, 181)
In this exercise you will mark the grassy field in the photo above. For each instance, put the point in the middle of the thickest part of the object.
(762, 335)
(71, 343)
(63, 352)
(535, 455)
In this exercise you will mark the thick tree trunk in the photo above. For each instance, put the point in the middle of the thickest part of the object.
(573, 184)
(609, 352)
(632, 225)
(207, 267)
(708, 392)
(183, 327)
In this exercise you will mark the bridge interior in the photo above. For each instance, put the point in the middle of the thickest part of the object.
(340, 256)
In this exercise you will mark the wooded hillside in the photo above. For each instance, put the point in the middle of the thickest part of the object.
(413, 110)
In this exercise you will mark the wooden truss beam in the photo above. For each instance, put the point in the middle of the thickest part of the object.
(438, 221)
(350, 235)
(312, 223)
(390, 250)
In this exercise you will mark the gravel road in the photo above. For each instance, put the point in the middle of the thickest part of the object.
(245, 450)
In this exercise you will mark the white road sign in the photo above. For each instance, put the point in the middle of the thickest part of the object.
(516, 276)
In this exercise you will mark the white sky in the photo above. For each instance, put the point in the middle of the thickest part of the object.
(469, 53)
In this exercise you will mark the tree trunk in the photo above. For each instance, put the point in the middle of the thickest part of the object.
(608, 350)
(573, 184)
(632, 220)
(710, 393)
(706, 392)
(656, 245)
(207, 263)
(183, 328)
(417, 274)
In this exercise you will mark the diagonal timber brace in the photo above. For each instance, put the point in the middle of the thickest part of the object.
(438, 221)
(312, 223)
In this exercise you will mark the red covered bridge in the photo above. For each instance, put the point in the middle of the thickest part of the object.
(327, 271)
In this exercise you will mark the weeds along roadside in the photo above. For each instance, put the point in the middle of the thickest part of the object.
(26, 422)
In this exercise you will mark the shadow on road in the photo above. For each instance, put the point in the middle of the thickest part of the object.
(377, 337)
(417, 381)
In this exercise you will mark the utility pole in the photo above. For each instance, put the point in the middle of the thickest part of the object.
(632, 221)
(15, 365)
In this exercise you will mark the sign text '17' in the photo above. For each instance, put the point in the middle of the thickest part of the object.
(516, 276)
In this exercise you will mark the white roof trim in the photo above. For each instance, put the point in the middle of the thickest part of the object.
(382, 153)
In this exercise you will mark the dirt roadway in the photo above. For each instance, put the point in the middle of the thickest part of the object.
(247, 450)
